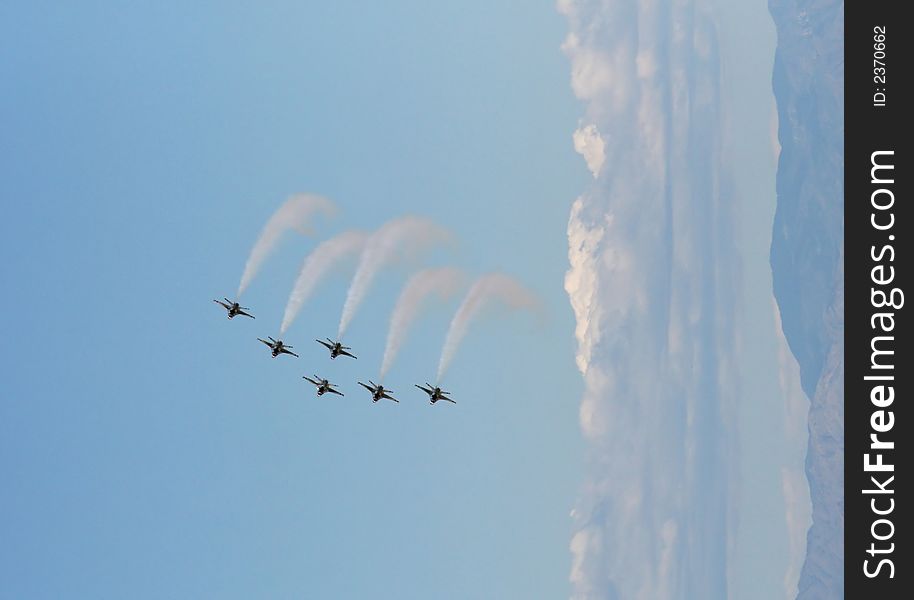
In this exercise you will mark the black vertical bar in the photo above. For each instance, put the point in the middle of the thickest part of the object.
(877, 272)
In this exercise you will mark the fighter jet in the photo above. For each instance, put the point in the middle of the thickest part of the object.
(277, 347)
(323, 386)
(377, 391)
(336, 348)
(435, 393)
(233, 308)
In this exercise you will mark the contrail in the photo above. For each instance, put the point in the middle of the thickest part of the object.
(494, 286)
(402, 237)
(293, 214)
(316, 265)
(443, 281)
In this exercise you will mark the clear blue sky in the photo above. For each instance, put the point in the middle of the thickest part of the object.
(150, 448)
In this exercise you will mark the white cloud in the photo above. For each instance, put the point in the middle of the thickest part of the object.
(582, 280)
(589, 144)
(650, 283)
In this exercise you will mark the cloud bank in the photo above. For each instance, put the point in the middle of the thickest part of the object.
(650, 283)
(295, 213)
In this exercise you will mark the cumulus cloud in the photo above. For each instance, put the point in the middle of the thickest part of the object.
(581, 282)
(650, 280)
(589, 144)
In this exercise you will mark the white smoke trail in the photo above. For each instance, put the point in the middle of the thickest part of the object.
(494, 286)
(293, 214)
(444, 282)
(316, 265)
(402, 237)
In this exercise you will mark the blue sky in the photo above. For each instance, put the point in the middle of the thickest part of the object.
(151, 448)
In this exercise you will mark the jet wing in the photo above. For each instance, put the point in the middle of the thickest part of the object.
(324, 344)
(284, 351)
(311, 380)
(424, 389)
(385, 395)
(265, 342)
(367, 387)
(241, 312)
(344, 353)
(447, 399)
(223, 304)
(333, 391)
